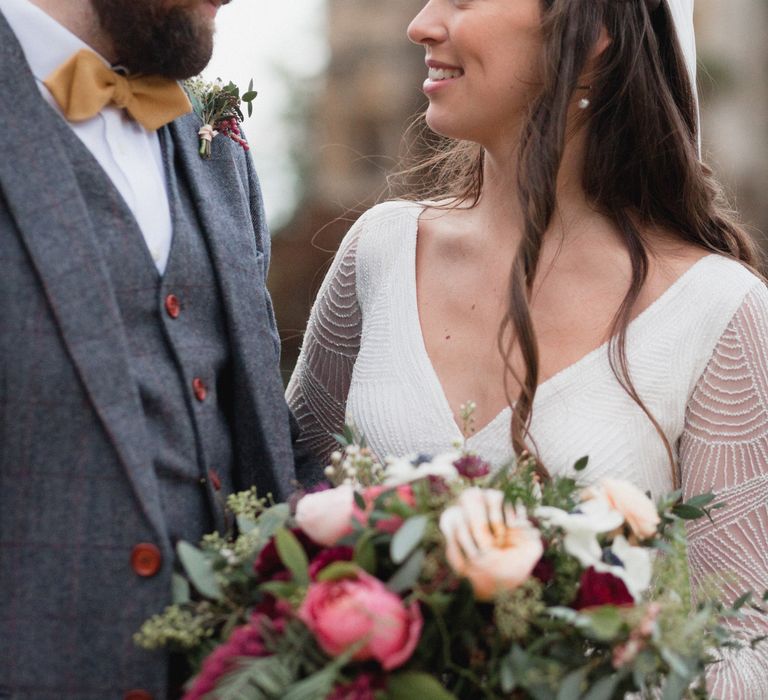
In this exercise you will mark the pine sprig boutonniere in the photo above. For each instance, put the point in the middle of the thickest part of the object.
(218, 105)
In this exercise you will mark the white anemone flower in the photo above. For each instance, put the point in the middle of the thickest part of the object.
(636, 566)
(403, 470)
(582, 527)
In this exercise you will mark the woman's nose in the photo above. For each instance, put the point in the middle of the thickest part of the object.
(428, 27)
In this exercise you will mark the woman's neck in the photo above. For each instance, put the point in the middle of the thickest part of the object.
(499, 204)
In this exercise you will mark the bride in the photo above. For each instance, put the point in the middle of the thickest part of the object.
(572, 272)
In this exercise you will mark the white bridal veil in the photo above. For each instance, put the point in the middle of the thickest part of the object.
(682, 13)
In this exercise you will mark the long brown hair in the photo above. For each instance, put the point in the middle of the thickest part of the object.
(641, 167)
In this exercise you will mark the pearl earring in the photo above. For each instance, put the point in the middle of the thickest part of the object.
(584, 103)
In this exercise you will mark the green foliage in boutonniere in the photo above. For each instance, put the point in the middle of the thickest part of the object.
(218, 106)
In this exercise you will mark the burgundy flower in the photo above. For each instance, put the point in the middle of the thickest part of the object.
(327, 557)
(544, 570)
(269, 566)
(597, 588)
(364, 687)
(472, 467)
(244, 641)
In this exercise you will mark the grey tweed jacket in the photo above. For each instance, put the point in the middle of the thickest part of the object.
(76, 494)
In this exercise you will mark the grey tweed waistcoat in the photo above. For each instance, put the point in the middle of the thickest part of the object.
(179, 354)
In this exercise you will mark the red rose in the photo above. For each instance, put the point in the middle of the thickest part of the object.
(597, 588)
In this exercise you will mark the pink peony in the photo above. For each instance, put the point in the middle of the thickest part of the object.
(347, 612)
(326, 515)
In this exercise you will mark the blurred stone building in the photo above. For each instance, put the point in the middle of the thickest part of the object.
(354, 129)
(373, 87)
(733, 56)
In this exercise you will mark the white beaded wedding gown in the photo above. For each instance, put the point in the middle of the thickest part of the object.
(698, 357)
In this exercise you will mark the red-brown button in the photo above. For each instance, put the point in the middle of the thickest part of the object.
(198, 387)
(173, 305)
(146, 560)
(215, 479)
(137, 695)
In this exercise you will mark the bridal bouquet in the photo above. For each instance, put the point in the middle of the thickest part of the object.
(434, 578)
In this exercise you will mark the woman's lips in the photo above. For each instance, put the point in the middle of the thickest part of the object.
(440, 75)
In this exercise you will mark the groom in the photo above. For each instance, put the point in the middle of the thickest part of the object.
(138, 353)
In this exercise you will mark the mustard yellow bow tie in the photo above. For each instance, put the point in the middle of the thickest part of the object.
(84, 85)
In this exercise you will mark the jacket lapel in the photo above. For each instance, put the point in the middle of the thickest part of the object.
(240, 255)
(41, 193)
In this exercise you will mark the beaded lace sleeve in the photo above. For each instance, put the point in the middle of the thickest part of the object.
(724, 449)
(317, 391)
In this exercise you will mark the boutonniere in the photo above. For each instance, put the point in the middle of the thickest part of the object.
(218, 105)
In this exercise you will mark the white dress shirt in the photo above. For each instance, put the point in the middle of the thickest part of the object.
(128, 153)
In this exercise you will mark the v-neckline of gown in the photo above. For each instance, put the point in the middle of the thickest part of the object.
(549, 386)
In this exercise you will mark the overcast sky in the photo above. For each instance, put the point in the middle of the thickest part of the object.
(265, 41)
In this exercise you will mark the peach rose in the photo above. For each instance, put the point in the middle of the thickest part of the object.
(638, 510)
(489, 542)
(362, 610)
(326, 516)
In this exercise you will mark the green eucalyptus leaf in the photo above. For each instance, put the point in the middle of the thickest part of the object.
(407, 538)
(360, 501)
(318, 685)
(572, 684)
(365, 552)
(199, 568)
(687, 512)
(408, 574)
(292, 554)
(676, 662)
(676, 686)
(604, 689)
(741, 601)
(508, 677)
(410, 685)
(604, 623)
(272, 519)
(339, 570)
(280, 589)
(700, 501)
(581, 464)
(246, 524)
(180, 591)
(249, 96)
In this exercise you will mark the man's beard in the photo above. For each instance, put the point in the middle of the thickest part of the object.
(159, 37)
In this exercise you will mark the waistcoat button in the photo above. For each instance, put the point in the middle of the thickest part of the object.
(173, 306)
(137, 695)
(199, 389)
(213, 475)
(146, 559)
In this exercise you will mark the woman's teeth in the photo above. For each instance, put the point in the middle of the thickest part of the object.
(444, 73)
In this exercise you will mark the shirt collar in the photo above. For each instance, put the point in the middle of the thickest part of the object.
(46, 43)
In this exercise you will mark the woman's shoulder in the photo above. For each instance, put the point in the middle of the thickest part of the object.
(393, 214)
(381, 231)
